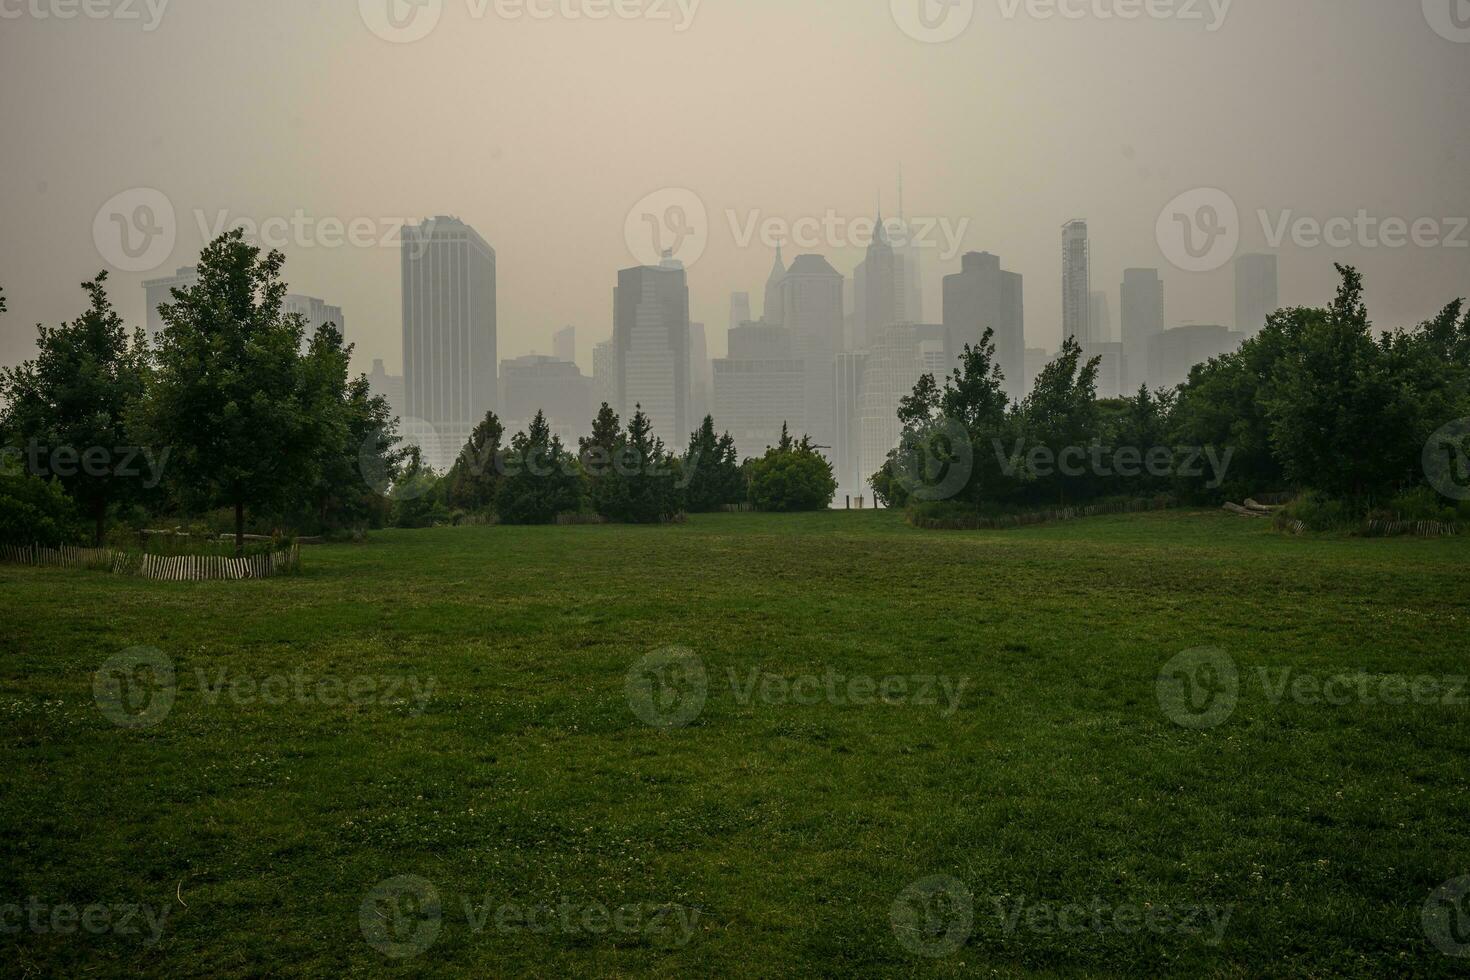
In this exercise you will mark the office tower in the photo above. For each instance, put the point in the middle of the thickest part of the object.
(1174, 352)
(555, 387)
(700, 381)
(739, 310)
(1256, 292)
(564, 344)
(771, 312)
(1100, 317)
(983, 296)
(1036, 359)
(1142, 301)
(449, 333)
(759, 387)
(1076, 283)
(879, 289)
(605, 376)
(651, 327)
(314, 312)
(811, 308)
(159, 291)
(898, 357)
(846, 449)
(1109, 358)
(389, 386)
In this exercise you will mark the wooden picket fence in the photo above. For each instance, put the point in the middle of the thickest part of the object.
(977, 522)
(159, 568)
(1422, 529)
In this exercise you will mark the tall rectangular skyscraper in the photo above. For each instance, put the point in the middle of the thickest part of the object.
(1077, 283)
(449, 334)
(651, 331)
(811, 308)
(1142, 296)
(983, 296)
(564, 344)
(1256, 292)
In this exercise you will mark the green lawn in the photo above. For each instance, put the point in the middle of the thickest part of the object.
(1072, 825)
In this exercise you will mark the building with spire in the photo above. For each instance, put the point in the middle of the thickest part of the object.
(771, 312)
(877, 289)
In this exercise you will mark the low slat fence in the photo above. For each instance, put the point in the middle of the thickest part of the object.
(159, 568)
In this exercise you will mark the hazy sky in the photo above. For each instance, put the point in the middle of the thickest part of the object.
(543, 133)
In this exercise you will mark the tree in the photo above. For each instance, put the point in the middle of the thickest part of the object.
(70, 407)
(418, 493)
(792, 476)
(712, 469)
(232, 399)
(1059, 414)
(542, 479)
(642, 486)
(474, 479)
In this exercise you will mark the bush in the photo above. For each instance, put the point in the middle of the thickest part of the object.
(792, 477)
(36, 511)
(1318, 512)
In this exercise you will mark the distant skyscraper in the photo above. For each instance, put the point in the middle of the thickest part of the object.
(550, 385)
(1109, 358)
(811, 308)
(759, 387)
(159, 291)
(449, 332)
(982, 296)
(1076, 283)
(1142, 300)
(651, 327)
(771, 311)
(1100, 317)
(1174, 352)
(1036, 359)
(847, 449)
(879, 289)
(314, 312)
(389, 386)
(700, 382)
(739, 310)
(605, 375)
(564, 344)
(1256, 292)
(898, 357)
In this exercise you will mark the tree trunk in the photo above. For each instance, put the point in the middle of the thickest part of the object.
(239, 528)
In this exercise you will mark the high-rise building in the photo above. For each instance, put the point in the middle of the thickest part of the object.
(899, 356)
(449, 333)
(759, 387)
(389, 386)
(1142, 302)
(605, 375)
(771, 311)
(1037, 358)
(983, 296)
(1256, 292)
(156, 292)
(739, 310)
(1100, 317)
(564, 344)
(554, 387)
(1109, 357)
(651, 327)
(701, 383)
(314, 312)
(811, 308)
(1077, 283)
(878, 289)
(1174, 352)
(847, 449)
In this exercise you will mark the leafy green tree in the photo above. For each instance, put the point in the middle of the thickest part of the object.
(792, 476)
(232, 399)
(474, 480)
(35, 511)
(712, 469)
(69, 408)
(418, 494)
(1061, 415)
(542, 479)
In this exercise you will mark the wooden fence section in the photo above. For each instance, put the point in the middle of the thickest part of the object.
(159, 568)
(1423, 529)
(1004, 522)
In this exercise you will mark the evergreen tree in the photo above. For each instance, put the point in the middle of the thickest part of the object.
(712, 470)
(542, 479)
(474, 480)
(643, 485)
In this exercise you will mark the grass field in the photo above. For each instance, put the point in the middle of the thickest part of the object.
(454, 718)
